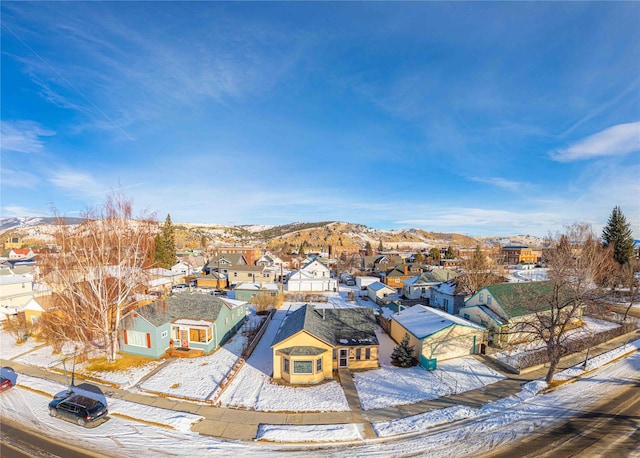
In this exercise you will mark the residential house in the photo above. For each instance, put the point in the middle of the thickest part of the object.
(363, 282)
(505, 308)
(189, 321)
(313, 276)
(381, 262)
(183, 268)
(312, 342)
(214, 280)
(162, 280)
(418, 287)
(221, 263)
(252, 292)
(15, 290)
(435, 334)
(447, 296)
(248, 273)
(378, 292)
(21, 253)
(395, 276)
(12, 242)
(385, 312)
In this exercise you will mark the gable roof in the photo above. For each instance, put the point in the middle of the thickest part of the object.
(336, 327)
(377, 286)
(430, 277)
(203, 307)
(518, 299)
(423, 321)
(450, 288)
(234, 259)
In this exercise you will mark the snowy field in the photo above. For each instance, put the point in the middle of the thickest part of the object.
(479, 430)
(514, 354)
(9, 349)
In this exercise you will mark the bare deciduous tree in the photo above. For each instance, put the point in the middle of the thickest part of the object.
(479, 271)
(576, 261)
(96, 272)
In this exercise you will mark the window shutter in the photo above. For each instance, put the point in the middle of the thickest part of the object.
(125, 337)
(148, 340)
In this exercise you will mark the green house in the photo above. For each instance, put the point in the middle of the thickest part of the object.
(189, 321)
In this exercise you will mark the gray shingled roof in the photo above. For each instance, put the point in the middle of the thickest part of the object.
(183, 306)
(303, 350)
(337, 327)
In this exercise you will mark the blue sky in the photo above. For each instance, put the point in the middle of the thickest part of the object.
(479, 118)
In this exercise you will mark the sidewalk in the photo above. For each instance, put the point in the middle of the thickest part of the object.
(236, 424)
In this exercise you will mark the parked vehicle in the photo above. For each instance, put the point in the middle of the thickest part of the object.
(180, 287)
(8, 378)
(82, 404)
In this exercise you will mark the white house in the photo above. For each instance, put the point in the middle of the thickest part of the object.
(418, 287)
(378, 291)
(182, 268)
(363, 282)
(16, 290)
(313, 276)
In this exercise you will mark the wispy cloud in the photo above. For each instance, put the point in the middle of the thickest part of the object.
(16, 210)
(503, 183)
(80, 182)
(17, 179)
(23, 136)
(617, 140)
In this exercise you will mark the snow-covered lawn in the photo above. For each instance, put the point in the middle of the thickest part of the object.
(197, 378)
(252, 388)
(308, 433)
(514, 355)
(9, 349)
(392, 386)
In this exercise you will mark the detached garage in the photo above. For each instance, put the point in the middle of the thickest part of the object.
(435, 334)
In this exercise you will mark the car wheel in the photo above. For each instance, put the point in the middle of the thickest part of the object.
(53, 412)
(82, 421)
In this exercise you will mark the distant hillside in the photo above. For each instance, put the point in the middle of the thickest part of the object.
(281, 239)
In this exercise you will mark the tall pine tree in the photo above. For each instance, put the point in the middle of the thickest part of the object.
(165, 245)
(617, 233)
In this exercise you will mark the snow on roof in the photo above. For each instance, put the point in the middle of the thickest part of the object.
(422, 321)
(257, 286)
(448, 287)
(377, 286)
(188, 322)
(233, 303)
(13, 279)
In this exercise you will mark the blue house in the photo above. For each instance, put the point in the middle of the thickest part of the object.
(188, 321)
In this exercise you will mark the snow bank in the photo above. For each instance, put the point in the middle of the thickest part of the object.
(309, 433)
(422, 422)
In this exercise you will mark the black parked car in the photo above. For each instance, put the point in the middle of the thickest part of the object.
(82, 404)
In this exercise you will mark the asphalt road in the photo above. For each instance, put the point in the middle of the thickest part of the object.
(17, 441)
(610, 429)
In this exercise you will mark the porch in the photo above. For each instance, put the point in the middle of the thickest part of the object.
(180, 352)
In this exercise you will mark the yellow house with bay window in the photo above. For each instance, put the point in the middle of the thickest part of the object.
(312, 342)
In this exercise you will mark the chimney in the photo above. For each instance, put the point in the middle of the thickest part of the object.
(406, 269)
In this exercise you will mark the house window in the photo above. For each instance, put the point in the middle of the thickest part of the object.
(446, 302)
(481, 297)
(358, 354)
(164, 334)
(273, 294)
(367, 353)
(488, 300)
(319, 365)
(137, 338)
(466, 316)
(303, 367)
(286, 366)
(235, 274)
(198, 335)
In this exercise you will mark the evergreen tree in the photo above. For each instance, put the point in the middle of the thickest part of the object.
(434, 254)
(450, 253)
(368, 249)
(419, 259)
(402, 355)
(617, 233)
(165, 245)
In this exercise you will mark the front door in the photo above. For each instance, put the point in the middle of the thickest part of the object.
(343, 357)
(184, 338)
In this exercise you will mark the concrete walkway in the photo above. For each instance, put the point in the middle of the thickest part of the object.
(236, 424)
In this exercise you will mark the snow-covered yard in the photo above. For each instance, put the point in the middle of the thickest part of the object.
(392, 386)
(9, 349)
(514, 356)
(252, 388)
